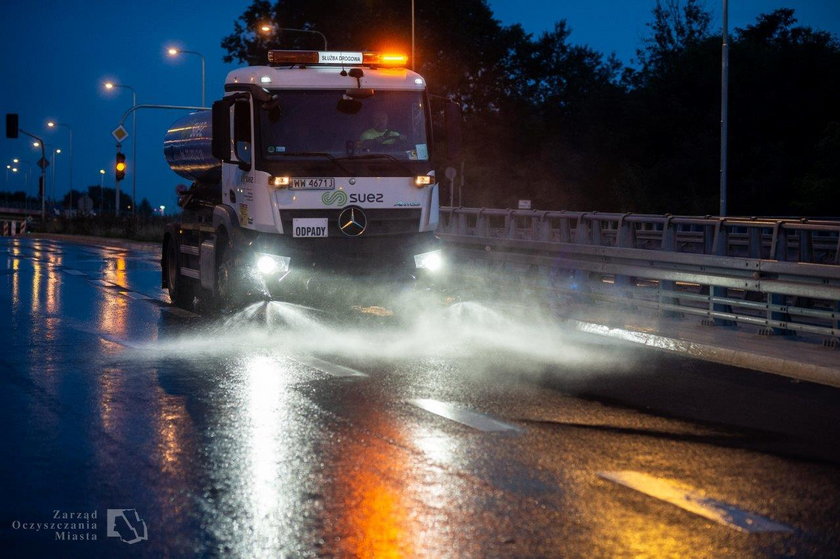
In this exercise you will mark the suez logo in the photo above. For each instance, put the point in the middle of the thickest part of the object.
(341, 198)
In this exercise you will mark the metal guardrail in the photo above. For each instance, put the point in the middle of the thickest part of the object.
(779, 275)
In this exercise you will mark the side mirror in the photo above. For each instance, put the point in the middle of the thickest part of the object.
(243, 154)
(452, 124)
(220, 144)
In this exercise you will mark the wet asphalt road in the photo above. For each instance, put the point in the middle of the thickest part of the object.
(472, 430)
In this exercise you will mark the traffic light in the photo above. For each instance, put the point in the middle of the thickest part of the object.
(11, 125)
(120, 166)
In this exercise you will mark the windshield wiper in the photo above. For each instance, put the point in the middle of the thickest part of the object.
(380, 156)
(325, 155)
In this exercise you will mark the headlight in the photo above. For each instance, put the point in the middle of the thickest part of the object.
(269, 264)
(432, 261)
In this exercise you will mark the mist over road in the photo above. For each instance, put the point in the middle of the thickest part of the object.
(470, 429)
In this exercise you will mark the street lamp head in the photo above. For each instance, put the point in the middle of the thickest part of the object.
(109, 85)
(51, 124)
(172, 51)
(101, 171)
(266, 28)
(36, 144)
(15, 160)
(58, 150)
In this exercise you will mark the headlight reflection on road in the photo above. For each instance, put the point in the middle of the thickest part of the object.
(266, 412)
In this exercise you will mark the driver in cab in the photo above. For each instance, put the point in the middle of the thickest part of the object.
(379, 133)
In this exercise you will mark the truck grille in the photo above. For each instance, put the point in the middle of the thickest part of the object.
(380, 222)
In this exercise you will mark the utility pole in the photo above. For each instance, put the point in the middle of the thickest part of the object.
(724, 109)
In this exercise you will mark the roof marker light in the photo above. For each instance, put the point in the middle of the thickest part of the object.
(265, 79)
(336, 58)
(385, 59)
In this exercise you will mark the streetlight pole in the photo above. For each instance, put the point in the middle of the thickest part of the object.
(175, 52)
(54, 152)
(412, 34)
(111, 85)
(101, 189)
(54, 124)
(724, 109)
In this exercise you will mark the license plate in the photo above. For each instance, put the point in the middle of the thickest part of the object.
(313, 183)
(309, 227)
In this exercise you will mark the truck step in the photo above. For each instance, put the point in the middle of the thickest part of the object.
(190, 273)
(189, 249)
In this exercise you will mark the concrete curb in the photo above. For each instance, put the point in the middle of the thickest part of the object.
(807, 365)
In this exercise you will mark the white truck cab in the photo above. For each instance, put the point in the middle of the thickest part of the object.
(316, 164)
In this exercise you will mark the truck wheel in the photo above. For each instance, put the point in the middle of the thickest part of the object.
(228, 286)
(180, 290)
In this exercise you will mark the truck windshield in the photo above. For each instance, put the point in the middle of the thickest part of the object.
(388, 123)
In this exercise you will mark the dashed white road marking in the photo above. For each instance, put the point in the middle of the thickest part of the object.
(693, 500)
(332, 369)
(464, 416)
(75, 272)
(135, 295)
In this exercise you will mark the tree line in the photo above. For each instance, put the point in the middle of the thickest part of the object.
(571, 128)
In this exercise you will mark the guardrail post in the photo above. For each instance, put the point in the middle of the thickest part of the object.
(778, 246)
(481, 223)
(625, 238)
(462, 223)
(667, 288)
(595, 231)
(669, 235)
(755, 241)
(720, 247)
(779, 251)
(806, 252)
(565, 232)
(582, 231)
(510, 225)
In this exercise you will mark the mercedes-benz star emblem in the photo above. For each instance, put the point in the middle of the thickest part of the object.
(352, 221)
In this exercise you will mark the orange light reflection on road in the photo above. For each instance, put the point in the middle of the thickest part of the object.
(379, 524)
(378, 516)
(112, 312)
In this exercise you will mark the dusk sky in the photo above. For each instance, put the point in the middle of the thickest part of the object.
(57, 54)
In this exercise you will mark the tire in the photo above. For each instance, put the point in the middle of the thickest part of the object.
(229, 289)
(180, 289)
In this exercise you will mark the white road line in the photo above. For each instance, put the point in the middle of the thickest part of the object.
(332, 369)
(462, 415)
(693, 500)
(135, 295)
(75, 272)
